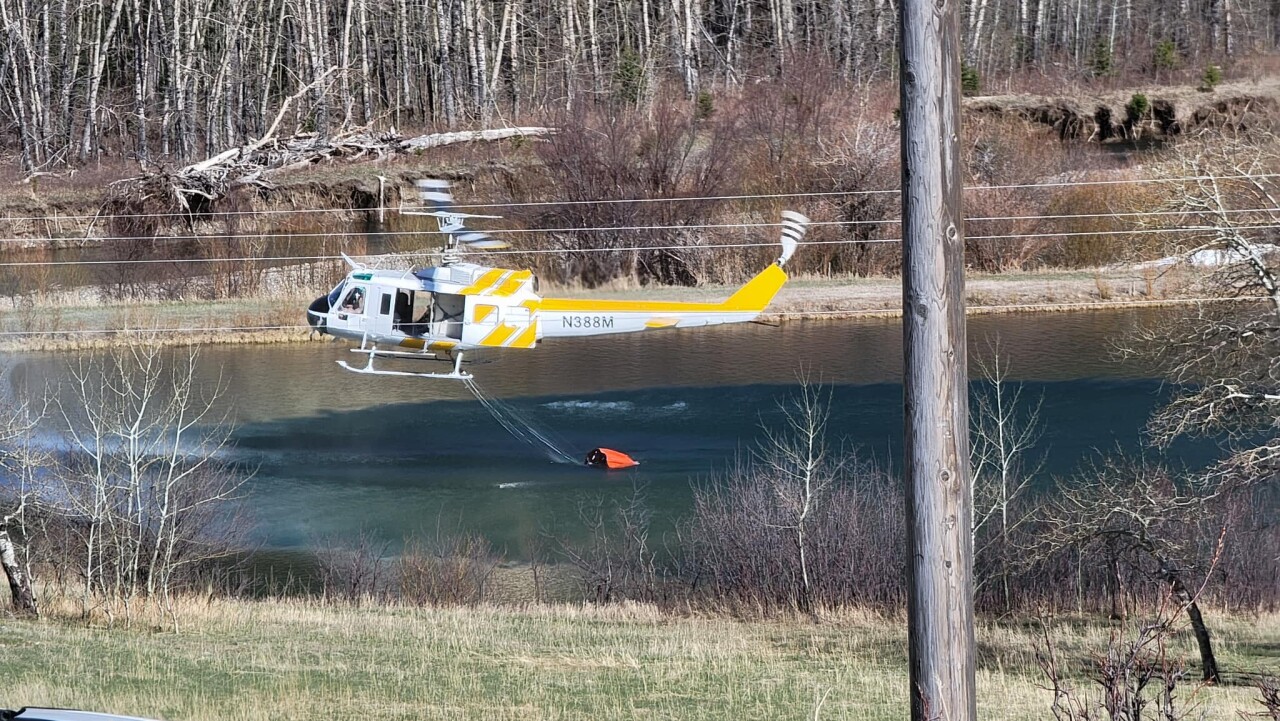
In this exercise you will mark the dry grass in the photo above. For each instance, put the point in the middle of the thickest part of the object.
(60, 323)
(294, 659)
(52, 324)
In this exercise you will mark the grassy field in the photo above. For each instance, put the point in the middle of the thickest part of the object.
(296, 660)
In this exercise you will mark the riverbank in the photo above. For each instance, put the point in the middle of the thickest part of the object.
(78, 320)
(298, 659)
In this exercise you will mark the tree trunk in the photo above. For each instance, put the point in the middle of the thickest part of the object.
(1115, 584)
(1208, 664)
(24, 600)
(444, 41)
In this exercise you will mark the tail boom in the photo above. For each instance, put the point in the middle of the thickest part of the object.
(563, 317)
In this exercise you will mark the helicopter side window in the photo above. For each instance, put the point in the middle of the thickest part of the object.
(354, 301)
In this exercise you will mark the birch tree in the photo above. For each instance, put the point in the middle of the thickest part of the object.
(163, 81)
(144, 478)
(1004, 430)
(795, 463)
(22, 460)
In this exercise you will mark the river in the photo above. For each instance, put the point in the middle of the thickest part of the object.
(335, 453)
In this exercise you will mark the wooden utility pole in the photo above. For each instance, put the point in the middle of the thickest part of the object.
(939, 513)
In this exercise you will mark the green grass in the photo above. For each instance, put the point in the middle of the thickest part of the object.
(259, 660)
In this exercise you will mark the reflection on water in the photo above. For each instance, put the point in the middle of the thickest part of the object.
(335, 452)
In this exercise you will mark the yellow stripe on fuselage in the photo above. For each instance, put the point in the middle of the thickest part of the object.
(512, 283)
(488, 279)
(421, 343)
(527, 337)
(499, 335)
(754, 296)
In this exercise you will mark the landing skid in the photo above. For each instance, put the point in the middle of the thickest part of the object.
(369, 369)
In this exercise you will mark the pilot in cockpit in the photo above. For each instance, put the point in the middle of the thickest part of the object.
(355, 301)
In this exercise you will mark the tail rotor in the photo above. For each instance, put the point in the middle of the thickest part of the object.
(794, 226)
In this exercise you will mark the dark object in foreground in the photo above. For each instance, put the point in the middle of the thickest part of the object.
(61, 714)
(609, 458)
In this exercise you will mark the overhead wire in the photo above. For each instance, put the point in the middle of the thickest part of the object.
(329, 235)
(784, 314)
(631, 248)
(882, 191)
(609, 201)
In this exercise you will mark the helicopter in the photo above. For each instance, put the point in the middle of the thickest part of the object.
(442, 312)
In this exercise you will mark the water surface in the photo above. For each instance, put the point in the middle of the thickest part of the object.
(336, 453)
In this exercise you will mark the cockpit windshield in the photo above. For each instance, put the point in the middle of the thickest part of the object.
(336, 292)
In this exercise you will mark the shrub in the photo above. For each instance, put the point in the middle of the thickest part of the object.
(621, 154)
(1211, 77)
(1165, 56)
(1137, 108)
(1102, 63)
(970, 81)
(447, 570)
(747, 553)
(1103, 238)
(706, 106)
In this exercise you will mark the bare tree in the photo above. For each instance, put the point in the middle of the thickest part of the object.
(162, 81)
(1137, 677)
(617, 560)
(22, 460)
(1224, 357)
(1269, 690)
(1002, 433)
(144, 479)
(796, 464)
(1134, 513)
(24, 599)
(353, 570)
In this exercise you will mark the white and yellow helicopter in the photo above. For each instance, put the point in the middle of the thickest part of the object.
(440, 313)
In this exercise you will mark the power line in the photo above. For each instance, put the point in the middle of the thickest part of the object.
(619, 249)
(614, 201)
(883, 191)
(610, 228)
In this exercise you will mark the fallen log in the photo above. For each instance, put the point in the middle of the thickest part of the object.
(436, 140)
(196, 188)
